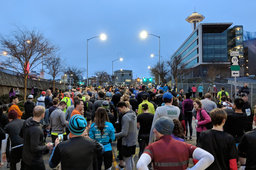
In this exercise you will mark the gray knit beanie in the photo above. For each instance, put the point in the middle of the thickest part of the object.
(164, 125)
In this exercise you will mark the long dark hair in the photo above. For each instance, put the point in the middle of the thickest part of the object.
(101, 117)
(178, 129)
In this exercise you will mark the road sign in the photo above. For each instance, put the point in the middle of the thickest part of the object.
(234, 53)
(235, 73)
(235, 68)
(234, 61)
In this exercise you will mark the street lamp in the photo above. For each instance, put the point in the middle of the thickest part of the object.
(102, 37)
(120, 59)
(152, 55)
(149, 67)
(70, 83)
(4, 53)
(143, 35)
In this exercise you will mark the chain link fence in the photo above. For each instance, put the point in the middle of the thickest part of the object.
(229, 87)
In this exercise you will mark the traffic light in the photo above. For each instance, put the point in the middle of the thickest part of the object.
(150, 79)
(144, 79)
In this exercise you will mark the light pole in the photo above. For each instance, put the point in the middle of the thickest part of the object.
(102, 37)
(70, 83)
(143, 35)
(120, 59)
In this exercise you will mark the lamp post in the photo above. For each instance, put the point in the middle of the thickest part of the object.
(102, 37)
(120, 59)
(143, 35)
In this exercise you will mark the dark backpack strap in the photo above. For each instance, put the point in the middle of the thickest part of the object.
(201, 116)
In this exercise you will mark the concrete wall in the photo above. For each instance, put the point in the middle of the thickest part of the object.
(7, 81)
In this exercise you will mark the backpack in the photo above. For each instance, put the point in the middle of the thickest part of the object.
(223, 94)
(87, 112)
(207, 125)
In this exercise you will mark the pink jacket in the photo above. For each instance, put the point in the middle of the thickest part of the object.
(200, 122)
(194, 89)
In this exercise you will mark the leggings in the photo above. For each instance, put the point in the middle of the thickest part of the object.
(188, 123)
(108, 159)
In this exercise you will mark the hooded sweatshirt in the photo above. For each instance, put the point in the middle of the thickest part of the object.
(33, 147)
(129, 129)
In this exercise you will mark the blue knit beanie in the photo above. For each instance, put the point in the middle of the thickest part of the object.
(77, 125)
(164, 125)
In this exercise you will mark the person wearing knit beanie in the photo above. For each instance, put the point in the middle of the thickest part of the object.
(77, 125)
(12, 115)
(164, 126)
(78, 152)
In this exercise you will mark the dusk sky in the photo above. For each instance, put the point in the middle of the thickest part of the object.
(67, 24)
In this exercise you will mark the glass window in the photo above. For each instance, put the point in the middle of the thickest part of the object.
(215, 47)
(191, 63)
(193, 45)
(190, 40)
(191, 55)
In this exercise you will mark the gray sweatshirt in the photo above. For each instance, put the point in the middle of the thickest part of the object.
(58, 121)
(129, 129)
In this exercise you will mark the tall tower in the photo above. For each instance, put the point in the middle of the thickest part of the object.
(195, 18)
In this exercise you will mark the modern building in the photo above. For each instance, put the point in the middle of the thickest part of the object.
(206, 50)
(123, 77)
(250, 57)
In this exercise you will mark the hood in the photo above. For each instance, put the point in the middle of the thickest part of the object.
(30, 122)
(131, 114)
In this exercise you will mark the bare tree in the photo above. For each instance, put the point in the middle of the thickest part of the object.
(54, 68)
(159, 69)
(103, 77)
(77, 74)
(25, 50)
(176, 67)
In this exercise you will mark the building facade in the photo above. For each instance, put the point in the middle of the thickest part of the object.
(123, 77)
(250, 57)
(205, 53)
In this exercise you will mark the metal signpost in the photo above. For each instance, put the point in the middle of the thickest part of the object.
(235, 68)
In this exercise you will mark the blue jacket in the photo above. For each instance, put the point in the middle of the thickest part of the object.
(200, 89)
(109, 134)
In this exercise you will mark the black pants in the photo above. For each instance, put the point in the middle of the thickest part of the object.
(35, 166)
(197, 138)
(194, 94)
(120, 149)
(200, 94)
(108, 159)
(188, 123)
(15, 157)
(143, 142)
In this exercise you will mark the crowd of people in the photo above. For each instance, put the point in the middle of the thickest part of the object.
(78, 128)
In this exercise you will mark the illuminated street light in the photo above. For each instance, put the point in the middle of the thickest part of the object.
(5, 53)
(121, 69)
(102, 37)
(149, 67)
(143, 34)
(152, 55)
(28, 41)
(120, 59)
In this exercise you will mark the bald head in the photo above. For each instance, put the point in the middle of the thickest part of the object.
(38, 111)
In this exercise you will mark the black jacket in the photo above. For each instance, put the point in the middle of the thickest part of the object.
(33, 147)
(78, 153)
(13, 129)
(28, 106)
